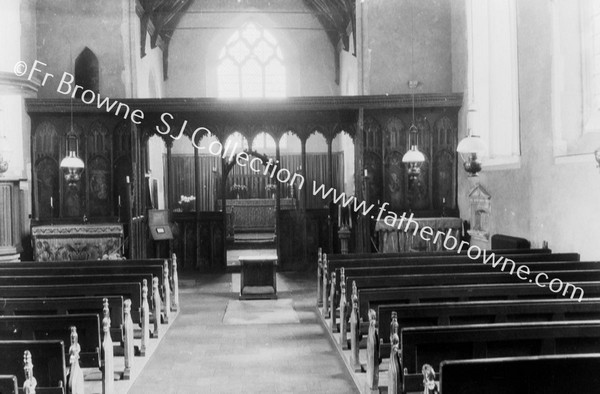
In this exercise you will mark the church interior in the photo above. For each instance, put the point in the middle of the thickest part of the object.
(299, 196)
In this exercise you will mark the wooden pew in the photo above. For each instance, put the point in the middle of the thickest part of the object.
(164, 269)
(418, 259)
(48, 359)
(78, 270)
(66, 306)
(481, 312)
(335, 266)
(66, 279)
(374, 298)
(539, 374)
(488, 278)
(57, 327)
(127, 290)
(432, 345)
(84, 280)
(387, 265)
(349, 274)
(354, 256)
(8, 384)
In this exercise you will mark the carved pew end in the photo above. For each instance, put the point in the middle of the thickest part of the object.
(373, 353)
(128, 345)
(430, 386)
(108, 363)
(175, 277)
(75, 375)
(30, 382)
(156, 304)
(166, 309)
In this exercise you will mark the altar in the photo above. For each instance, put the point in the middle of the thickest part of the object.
(393, 240)
(76, 241)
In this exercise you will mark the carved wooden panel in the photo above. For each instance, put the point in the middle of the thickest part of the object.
(45, 175)
(122, 167)
(395, 172)
(373, 158)
(434, 190)
(99, 142)
(444, 163)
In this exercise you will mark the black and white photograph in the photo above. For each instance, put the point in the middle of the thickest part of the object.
(300, 196)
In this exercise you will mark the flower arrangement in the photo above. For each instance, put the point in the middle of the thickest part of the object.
(238, 188)
(271, 188)
(187, 203)
(186, 199)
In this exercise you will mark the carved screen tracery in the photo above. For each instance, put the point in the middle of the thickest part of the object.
(395, 173)
(444, 163)
(45, 175)
(433, 191)
(373, 159)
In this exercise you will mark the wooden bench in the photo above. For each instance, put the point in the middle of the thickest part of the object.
(8, 384)
(487, 278)
(67, 306)
(170, 272)
(57, 327)
(424, 261)
(48, 360)
(127, 290)
(433, 345)
(539, 374)
(347, 275)
(481, 312)
(159, 268)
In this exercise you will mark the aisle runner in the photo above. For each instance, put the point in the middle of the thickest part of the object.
(260, 312)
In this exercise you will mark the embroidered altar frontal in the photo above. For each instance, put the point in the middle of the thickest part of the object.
(76, 242)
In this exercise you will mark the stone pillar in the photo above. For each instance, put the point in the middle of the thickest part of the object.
(18, 43)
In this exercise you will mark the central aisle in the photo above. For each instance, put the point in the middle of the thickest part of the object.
(200, 354)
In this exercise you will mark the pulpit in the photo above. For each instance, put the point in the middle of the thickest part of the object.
(76, 241)
(393, 240)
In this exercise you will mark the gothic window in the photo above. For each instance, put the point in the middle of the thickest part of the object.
(251, 65)
(87, 71)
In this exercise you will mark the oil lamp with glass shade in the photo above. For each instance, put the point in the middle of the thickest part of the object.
(72, 166)
(472, 149)
(413, 158)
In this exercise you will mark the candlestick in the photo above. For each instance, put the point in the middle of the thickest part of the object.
(127, 179)
(366, 173)
(350, 216)
(119, 200)
(51, 202)
(339, 215)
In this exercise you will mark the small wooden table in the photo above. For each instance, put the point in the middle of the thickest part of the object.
(258, 278)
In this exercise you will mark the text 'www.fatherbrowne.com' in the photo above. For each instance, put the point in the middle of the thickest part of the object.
(474, 252)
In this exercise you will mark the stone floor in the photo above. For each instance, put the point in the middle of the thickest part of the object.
(200, 354)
